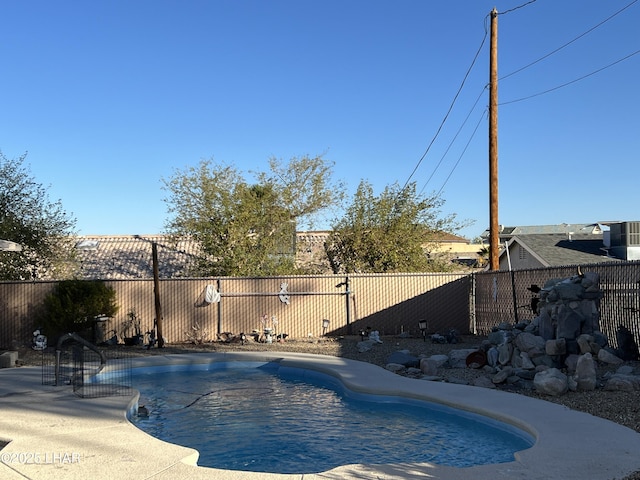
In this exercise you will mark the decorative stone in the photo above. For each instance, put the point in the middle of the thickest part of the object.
(624, 383)
(572, 347)
(521, 326)
(556, 347)
(600, 338)
(595, 348)
(543, 360)
(458, 358)
(532, 344)
(527, 364)
(526, 374)
(546, 328)
(572, 384)
(608, 357)
(483, 382)
(513, 379)
(8, 359)
(492, 356)
(499, 337)
(625, 370)
(394, 367)
(504, 353)
(489, 370)
(404, 358)
(586, 373)
(530, 354)
(569, 323)
(568, 291)
(516, 359)
(551, 382)
(571, 362)
(441, 360)
(590, 314)
(584, 342)
(428, 366)
(502, 375)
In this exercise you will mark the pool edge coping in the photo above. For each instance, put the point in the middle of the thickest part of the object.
(569, 444)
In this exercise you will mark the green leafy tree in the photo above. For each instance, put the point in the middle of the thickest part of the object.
(243, 228)
(73, 305)
(305, 187)
(390, 232)
(27, 217)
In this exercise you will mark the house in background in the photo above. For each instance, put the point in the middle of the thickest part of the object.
(124, 257)
(527, 247)
(455, 249)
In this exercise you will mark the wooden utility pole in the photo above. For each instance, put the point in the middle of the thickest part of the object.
(494, 240)
(156, 294)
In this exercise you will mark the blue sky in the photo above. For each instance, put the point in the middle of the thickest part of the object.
(109, 97)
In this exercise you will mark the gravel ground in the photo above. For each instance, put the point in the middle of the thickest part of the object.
(619, 407)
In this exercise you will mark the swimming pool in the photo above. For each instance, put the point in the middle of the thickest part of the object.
(263, 417)
(54, 419)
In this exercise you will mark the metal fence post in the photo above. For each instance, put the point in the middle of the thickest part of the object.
(348, 297)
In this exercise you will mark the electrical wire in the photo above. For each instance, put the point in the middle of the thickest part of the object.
(453, 139)
(505, 103)
(516, 8)
(486, 32)
(463, 152)
(572, 81)
(415, 169)
(568, 43)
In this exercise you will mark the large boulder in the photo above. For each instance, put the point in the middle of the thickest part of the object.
(556, 347)
(606, 356)
(458, 358)
(532, 344)
(429, 366)
(551, 382)
(625, 383)
(403, 358)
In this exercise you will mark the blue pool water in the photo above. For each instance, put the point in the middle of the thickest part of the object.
(261, 418)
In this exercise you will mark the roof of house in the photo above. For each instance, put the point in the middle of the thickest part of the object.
(556, 249)
(114, 257)
(563, 228)
(120, 257)
(449, 238)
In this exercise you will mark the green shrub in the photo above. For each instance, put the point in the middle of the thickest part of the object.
(74, 304)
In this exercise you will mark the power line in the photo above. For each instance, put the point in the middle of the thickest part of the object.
(415, 169)
(462, 154)
(568, 43)
(448, 111)
(572, 81)
(454, 139)
(516, 8)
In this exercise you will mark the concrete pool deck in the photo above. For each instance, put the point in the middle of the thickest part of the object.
(53, 434)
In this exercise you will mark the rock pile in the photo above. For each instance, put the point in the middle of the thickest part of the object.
(561, 349)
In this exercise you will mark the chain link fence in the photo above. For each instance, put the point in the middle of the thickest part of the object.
(199, 310)
(507, 296)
